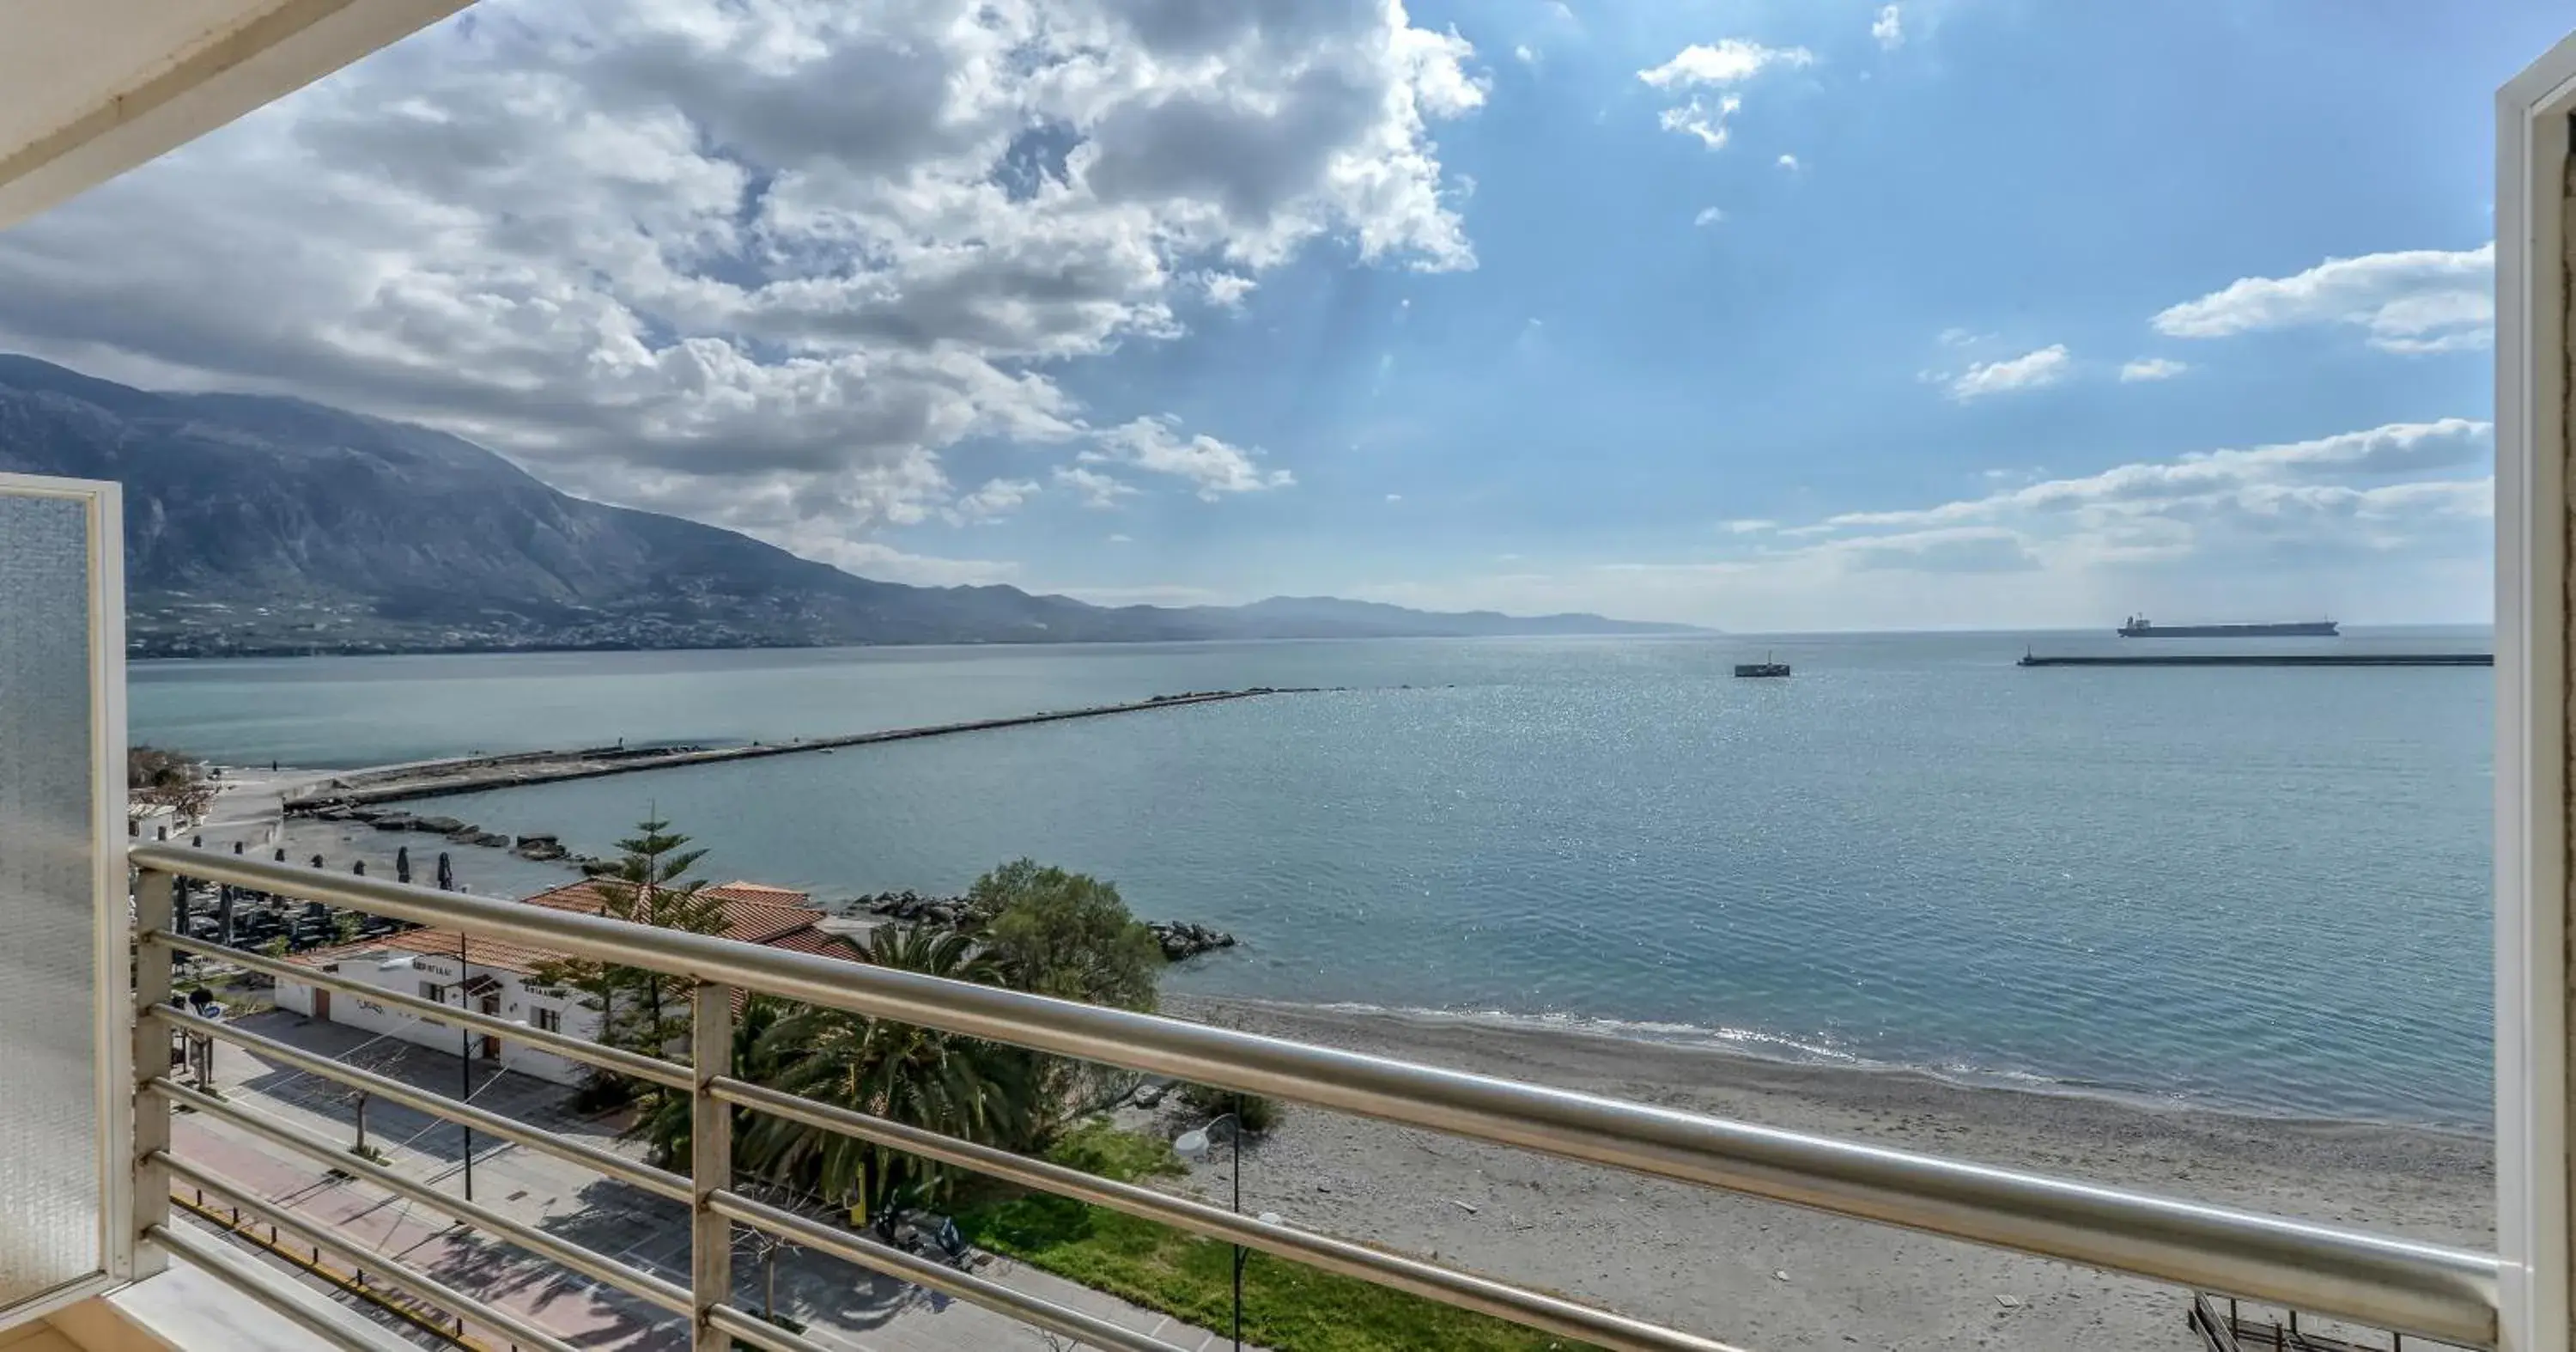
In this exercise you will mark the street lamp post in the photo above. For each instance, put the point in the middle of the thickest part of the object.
(1194, 1145)
(465, 1057)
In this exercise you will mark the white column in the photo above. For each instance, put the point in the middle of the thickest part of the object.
(2532, 700)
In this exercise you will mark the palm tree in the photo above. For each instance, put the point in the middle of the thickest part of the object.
(665, 1126)
(921, 1077)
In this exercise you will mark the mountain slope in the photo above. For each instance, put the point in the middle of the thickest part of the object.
(262, 524)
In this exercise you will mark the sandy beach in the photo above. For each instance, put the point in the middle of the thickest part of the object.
(1759, 1274)
(1775, 1277)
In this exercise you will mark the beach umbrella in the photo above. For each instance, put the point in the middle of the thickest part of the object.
(359, 868)
(281, 854)
(446, 873)
(402, 864)
(317, 861)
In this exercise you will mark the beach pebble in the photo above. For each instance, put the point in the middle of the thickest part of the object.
(1462, 1206)
(2009, 1302)
(1780, 1276)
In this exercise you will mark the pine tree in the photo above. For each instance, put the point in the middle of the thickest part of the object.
(642, 1010)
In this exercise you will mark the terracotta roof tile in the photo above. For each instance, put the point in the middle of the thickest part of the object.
(752, 915)
(479, 952)
(752, 911)
(739, 890)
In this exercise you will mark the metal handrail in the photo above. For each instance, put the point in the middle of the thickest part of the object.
(660, 1182)
(1450, 1286)
(2424, 1289)
(597, 1266)
(272, 1289)
(243, 1198)
(1091, 1330)
(616, 1060)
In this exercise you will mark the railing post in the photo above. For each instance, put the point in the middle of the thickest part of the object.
(155, 903)
(710, 1162)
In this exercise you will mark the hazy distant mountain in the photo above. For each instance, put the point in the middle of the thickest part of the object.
(261, 524)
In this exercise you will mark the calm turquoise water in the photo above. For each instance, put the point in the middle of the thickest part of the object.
(2260, 888)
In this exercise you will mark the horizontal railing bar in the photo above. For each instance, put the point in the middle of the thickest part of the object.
(273, 1290)
(919, 1271)
(2421, 1289)
(614, 1059)
(438, 1105)
(596, 1266)
(397, 1273)
(758, 1332)
(1449, 1286)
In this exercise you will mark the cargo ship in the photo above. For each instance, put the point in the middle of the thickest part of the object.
(2139, 626)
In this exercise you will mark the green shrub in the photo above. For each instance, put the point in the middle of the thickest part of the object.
(1096, 1147)
(1256, 1113)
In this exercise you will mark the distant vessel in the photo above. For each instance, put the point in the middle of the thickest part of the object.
(1765, 667)
(2139, 626)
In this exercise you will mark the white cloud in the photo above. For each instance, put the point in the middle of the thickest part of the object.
(2413, 301)
(1525, 54)
(894, 565)
(2387, 524)
(2029, 371)
(2261, 475)
(1225, 290)
(1395, 497)
(1726, 62)
(1097, 489)
(1750, 525)
(1788, 162)
(2151, 368)
(1702, 119)
(996, 499)
(1213, 467)
(1704, 66)
(1960, 549)
(1708, 216)
(1888, 28)
(1122, 539)
(762, 263)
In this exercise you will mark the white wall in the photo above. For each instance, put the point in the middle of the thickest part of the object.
(405, 973)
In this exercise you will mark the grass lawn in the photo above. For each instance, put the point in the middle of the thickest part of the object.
(1285, 1305)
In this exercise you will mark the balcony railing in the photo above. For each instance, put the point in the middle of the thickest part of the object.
(2417, 1289)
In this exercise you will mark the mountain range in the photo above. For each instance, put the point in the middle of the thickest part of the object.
(257, 524)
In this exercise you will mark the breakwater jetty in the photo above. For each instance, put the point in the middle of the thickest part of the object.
(476, 774)
(2267, 660)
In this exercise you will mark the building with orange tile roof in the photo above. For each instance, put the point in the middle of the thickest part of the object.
(499, 978)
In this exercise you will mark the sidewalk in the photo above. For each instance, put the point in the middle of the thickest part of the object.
(843, 1306)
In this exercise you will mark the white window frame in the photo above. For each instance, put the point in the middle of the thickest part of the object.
(547, 1020)
(112, 985)
(2531, 969)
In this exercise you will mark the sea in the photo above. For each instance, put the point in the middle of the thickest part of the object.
(2258, 889)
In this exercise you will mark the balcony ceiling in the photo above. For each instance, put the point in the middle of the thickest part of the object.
(91, 88)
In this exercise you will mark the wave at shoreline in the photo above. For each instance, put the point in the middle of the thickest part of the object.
(1778, 1050)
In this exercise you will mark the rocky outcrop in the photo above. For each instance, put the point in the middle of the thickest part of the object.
(914, 908)
(1182, 940)
(540, 848)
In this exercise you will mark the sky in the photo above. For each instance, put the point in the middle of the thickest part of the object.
(1760, 314)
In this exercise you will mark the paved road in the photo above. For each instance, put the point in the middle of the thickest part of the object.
(843, 1306)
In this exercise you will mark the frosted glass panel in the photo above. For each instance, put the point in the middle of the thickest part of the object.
(49, 1057)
